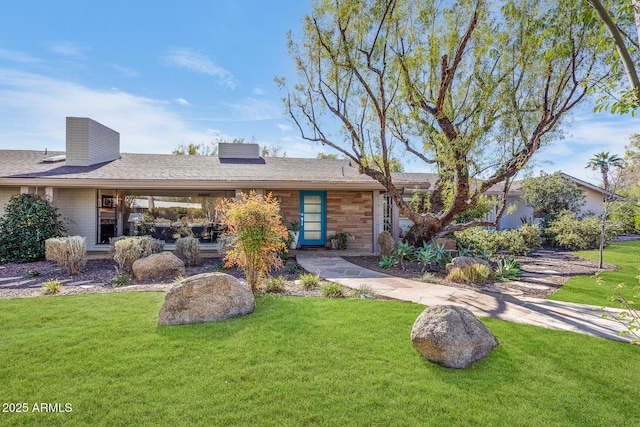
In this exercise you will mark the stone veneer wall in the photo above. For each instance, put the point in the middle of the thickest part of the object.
(289, 206)
(351, 212)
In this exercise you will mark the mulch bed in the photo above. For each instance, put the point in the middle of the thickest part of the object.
(102, 273)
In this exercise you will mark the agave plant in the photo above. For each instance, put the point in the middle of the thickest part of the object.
(404, 251)
(388, 261)
(426, 256)
(508, 268)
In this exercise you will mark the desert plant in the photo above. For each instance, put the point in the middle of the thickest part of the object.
(364, 291)
(388, 261)
(121, 279)
(404, 251)
(275, 284)
(69, 252)
(426, 256)
(342, 239)
(332, 290)
(52, 287)
(258, 234)
(130, 249)
(188, 250)
(442, 255)
(309, 281)
(294, 268)
(508, 268)
(27, 222)
(471, 273)
(429, 278)
(179, 279)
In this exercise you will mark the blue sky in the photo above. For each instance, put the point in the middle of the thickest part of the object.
(169, 73)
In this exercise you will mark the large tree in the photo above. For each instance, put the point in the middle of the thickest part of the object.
(549, 195)
(472, 89)
(621, 21)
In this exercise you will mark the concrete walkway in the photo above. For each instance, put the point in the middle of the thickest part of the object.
(565, 316)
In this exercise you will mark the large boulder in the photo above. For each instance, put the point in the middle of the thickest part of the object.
(204, 298)
(386, 243)
(451, 336)
(164, 265)
(463, 261)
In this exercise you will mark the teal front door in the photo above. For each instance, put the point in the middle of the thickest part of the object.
(313, 224)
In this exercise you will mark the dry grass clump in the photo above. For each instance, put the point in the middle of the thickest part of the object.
(188, 250)
(69, 252)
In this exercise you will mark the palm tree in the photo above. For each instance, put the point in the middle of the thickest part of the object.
(603, 162)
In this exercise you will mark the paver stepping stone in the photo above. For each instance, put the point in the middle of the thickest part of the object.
(13, 284)
(6, 279)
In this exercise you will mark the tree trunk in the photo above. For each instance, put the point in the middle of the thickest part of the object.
(420, 233)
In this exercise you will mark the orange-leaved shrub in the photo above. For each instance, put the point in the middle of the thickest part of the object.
(255, 224)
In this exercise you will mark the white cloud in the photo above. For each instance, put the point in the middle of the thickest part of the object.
(198, 62)
(67, 48)
(182, 101)
(33, 110)
(125, 71)
(252, 109)
(15, 56)
(284, 127)
(589, 134)
(258, 91)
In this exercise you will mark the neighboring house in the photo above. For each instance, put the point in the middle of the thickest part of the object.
(104, 193)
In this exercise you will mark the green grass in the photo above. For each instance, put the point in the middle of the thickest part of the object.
(296, 361)
(585, 290)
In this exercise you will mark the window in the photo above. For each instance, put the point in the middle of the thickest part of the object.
(166, 215)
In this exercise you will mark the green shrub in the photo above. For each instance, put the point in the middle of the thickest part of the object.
(188, 250)
(130, 249)
(487, 243)
(570, 232)
(69, 252)
(478, 239)
(27, 223)
(275, 284)
(309, 281)
(332, 290)
(52, 287)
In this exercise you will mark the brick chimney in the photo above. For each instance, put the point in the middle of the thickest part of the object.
(90, 143)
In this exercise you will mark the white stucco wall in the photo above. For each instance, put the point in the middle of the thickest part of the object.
(515, 210)
(593, 202)
(78, 208)
(5, 195)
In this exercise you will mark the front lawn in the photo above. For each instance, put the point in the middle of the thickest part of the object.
(295, 361)
(585, 290)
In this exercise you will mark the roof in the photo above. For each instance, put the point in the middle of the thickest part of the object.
(22, 167)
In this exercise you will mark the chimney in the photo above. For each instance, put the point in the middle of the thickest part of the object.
(238, 151)
(90, 143)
